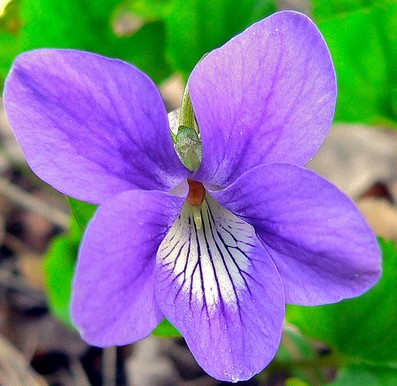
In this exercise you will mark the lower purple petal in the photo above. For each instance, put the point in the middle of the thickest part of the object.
(218, 286)
(320, 243)
(113, 295)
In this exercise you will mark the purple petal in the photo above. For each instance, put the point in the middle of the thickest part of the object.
(90, 126)
(219, 287)
(319, 241)
(113, 297)
(266, 96)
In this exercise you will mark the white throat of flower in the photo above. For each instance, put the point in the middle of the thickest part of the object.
(205, 251)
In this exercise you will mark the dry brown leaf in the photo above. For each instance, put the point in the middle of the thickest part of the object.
(31, 267)
(381, 215)
(14, 370)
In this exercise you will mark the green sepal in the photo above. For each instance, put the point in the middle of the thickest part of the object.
(187, 141)
(189, 148)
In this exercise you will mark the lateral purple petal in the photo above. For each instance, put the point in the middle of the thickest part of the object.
(90, 126)
(113, 299)
(320, 243)
(271, 99)
(219, 287)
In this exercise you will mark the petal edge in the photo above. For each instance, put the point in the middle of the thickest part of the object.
(320, 243)
(272, 98)
(90, 126)
(113, 296)
(218, 286)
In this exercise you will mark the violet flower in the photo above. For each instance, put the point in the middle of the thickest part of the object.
(218, 251)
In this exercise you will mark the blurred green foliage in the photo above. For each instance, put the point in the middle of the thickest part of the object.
(151, 34)
(202, 25)
(59, 264)
(362, 375)
(362, 38)
(296, 348)
(10, 25)
(361, 330)
(166, 36)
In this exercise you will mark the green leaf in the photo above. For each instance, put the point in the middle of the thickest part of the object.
(10, 24)
(86, 25)
(166, 330)
(146, 50)
(7, 54)
(363, 328)
(196, 27)
(323, 10)
(82, 211)
(360, 375)
(149, 10)
(59, 264)
(295, 382)
(363, 43)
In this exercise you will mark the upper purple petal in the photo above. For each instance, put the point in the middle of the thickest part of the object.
(113, 296)
(320, 243)
(268, 95)
(90, 126)
(219, 287)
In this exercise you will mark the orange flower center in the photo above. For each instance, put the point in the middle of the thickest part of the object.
(196, 193)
